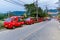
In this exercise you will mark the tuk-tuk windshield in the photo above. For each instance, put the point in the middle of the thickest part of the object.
(28, 19)
(8, 19)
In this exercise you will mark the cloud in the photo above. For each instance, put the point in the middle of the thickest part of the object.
(51, 4)
(6, 6)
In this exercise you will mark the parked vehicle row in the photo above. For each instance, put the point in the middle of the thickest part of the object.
(17, 21)
(58, 18)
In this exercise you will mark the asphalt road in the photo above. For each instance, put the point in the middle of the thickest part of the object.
(48, 30)
(51, 31)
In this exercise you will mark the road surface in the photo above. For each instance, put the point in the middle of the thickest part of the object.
(48, 30)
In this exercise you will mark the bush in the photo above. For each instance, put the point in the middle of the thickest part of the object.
(1, 24)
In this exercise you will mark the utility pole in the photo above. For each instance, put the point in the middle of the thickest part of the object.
(59, 3)
(8, 14)
(30, 13)
(36, 9)
(46, 9)
(59, 6)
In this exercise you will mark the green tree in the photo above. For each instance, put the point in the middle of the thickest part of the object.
(31, 10)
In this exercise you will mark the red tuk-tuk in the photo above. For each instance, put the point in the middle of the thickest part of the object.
(13, 22)
(29, 21)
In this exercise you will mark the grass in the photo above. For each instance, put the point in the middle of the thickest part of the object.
(1, 24)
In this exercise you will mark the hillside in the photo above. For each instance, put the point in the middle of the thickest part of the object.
(53, 10)
(18, 13)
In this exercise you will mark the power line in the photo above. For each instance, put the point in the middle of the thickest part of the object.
(14, 2)
(22, 1)
(17, 2)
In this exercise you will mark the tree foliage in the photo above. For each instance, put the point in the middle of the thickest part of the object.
(2, 16)
(31, 10)
(5, 15)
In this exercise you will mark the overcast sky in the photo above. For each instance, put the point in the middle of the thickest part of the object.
(6, 6)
